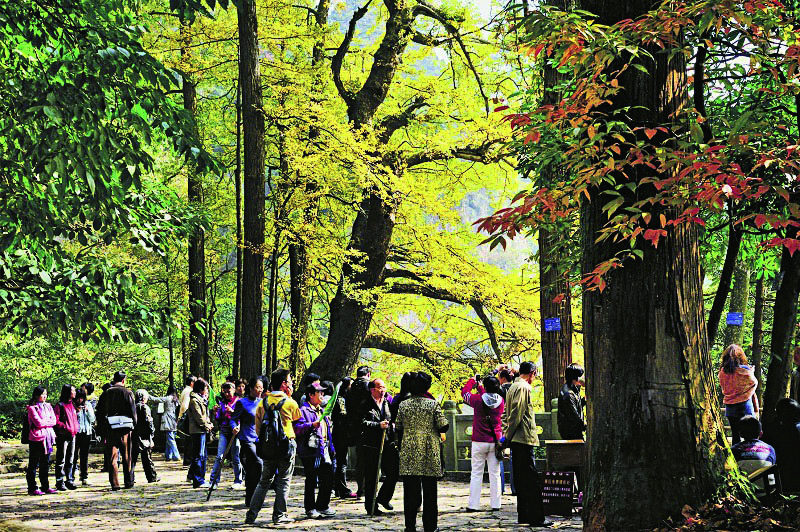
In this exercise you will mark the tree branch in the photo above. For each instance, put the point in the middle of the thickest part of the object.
(480, 154)
(404, 349)
(392, 123)
(338, 59)
(390, 273)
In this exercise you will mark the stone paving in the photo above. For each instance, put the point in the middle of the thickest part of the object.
(173, 505)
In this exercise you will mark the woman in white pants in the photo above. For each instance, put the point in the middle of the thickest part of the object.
(488, 406)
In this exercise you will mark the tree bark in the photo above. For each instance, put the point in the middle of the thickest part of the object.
(197, 256)
(254, 182)
(758, 336)
(237, 177)
(556, 345)
(649, 375)
(724, 287)
(783, 322)
(169, 325)
(734, 334)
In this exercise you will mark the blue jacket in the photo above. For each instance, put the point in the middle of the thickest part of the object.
(244, 414)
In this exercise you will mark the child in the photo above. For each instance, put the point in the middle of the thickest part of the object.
(143, 437)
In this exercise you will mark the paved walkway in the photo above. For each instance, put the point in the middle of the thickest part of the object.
(173, 505)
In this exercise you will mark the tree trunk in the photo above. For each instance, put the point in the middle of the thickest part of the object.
(272, 303)
(649, 375)
(254, 181)
(197, 255)
(731, 254)
(169, 326)
(300, 304)
(734, 334)
(784, 317)
(556, 345)
(237, 177)
(758, 336)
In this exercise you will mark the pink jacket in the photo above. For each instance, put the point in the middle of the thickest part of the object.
(488, 411)
(739, 386)
(42, 419)
(67, 423)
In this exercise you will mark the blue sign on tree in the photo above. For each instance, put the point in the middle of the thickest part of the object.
(735, 318)
(552, 324)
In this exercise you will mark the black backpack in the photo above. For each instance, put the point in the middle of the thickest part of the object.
(26, 428)
(273, 442)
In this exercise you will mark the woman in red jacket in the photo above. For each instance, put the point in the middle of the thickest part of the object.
(66, 429)
(738, 385)
(41, 420)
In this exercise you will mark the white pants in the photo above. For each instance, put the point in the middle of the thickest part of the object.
(483, 452)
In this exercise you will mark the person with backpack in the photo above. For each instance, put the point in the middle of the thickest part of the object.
(275, 416)
(83, 439)
(38, 433)
(169, 422)
(315, 449)
(199, 427)
(487, 429)
(184, 407)
(66, 429)
(143, 438)
(116, 416)
(244, 416)
(341, 440)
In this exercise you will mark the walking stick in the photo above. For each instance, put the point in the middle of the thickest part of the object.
(378, 473)
(222, 461)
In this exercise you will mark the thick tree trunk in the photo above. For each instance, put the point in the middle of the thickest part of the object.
(351, 312)
(725, 276)
(734, 334)
(300, 304)
(758, 336)
(783, 322)
(254, 181)
(556, 345)
(649, 375)
(197, 254)
(237, 177)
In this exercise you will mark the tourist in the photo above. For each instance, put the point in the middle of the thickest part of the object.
(356, 403)
(143, 438)
(784, 436)
(487, 429)
(280, 467)
(66, 429)
(228, 430)
(199, 427)
(377, 431)
(106, 449)
(751, 448)
(83, 439)
(185, 398)
(420, 424)
(506, 377)
(404, 393)
(91, 398)
(241, 387)
(308, 379)
(116, 419)
(519, 429)
(341, 440)
(315, 449)
(244, 416)
(738, 387)
(169, 422)
(571, 424)
(41, 439)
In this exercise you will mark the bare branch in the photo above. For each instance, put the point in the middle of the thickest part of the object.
(392, 123)
(338, 59)
(479, 154)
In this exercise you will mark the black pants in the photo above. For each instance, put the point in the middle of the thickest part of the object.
(340, 472)
(319, 479)
(530, 509)
(187, 450)
(38, 460)
(252, 469)
(390, 466)
(420, 490)
(147, 462)
(82, 444)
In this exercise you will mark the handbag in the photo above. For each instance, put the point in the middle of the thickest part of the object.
(120, 422)
(498, 447)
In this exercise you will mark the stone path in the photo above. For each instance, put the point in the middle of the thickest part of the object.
(173, 505)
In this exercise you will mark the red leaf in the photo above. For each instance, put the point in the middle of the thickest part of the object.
(559, 298)
(501, 108)
(792, 244)
(532, 137)
(538, 50)
(650, 133)
(760, 220)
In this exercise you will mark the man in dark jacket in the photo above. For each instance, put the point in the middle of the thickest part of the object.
(356, 403)
(571, 423)
(116, 416)
(376, 424)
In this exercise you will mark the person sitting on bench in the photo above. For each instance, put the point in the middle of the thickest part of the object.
(752, 453)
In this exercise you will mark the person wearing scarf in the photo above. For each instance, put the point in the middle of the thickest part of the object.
(315, 449)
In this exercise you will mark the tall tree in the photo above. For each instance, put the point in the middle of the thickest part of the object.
(734, 334)
(254, 185)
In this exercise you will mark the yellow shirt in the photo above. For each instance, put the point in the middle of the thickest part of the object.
(290, 412)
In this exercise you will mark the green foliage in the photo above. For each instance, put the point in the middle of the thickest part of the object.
(80, 104)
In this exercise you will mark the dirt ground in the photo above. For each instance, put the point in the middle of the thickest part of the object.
(172, 504)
